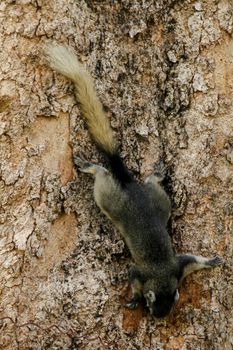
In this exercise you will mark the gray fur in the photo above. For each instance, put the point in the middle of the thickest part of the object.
(141, 212)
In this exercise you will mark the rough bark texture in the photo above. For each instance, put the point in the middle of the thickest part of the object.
(164, 71)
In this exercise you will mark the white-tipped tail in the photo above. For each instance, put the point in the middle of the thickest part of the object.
(63, 60)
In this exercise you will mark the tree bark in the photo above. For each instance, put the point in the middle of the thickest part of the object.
(163, 70)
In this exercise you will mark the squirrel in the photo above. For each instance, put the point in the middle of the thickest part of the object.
(139, 210)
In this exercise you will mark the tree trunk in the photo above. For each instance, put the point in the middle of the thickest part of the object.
(163, 70)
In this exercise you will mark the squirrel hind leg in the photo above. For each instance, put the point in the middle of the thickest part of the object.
(86, 167)
(159, 173)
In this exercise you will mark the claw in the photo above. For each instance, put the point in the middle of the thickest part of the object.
(79, 162)
(84, 166)
(160, 170)
(215, 261)
(132, 304)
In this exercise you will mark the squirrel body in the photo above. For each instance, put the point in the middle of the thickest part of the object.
(139, 211)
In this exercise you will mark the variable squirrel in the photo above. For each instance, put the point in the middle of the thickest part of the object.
(139, 210)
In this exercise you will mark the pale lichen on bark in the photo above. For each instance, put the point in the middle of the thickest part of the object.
(163, 70)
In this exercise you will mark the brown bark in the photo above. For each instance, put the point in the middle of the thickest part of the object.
(163, 70)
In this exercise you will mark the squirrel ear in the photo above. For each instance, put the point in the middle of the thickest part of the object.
(177, 295)
(150, 296)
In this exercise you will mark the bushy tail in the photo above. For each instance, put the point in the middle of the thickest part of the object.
(65, 62)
